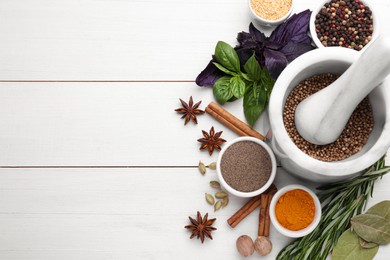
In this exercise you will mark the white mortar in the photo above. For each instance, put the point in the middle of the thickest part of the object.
(332, 60)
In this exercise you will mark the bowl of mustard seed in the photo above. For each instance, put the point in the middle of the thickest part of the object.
(270, 12)
(346, 23)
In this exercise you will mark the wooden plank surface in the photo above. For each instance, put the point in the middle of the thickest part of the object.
(121, 214)
(90, 212)
(121, 39)
(104, 124)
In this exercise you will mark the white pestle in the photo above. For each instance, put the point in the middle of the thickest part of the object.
(321, 117)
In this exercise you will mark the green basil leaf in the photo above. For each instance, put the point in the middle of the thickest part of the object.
(227, 56)
(348, 248)
(224, 70)
(246, 77)
(267, 82)
(237, 85)
(221, 90)
(381, 209)
(232, 99)
(372, 228)
(255, 100)
(363, 243)
(252, 67)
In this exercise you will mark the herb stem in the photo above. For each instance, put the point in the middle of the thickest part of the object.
(340, 202)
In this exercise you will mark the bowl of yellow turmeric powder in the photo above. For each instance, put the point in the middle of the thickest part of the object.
(295, 211)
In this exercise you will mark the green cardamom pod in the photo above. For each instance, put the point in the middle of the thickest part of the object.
(202, 168)
(217, 205)
(212, 166)
(215, 185)
(210, 199)
(225, 201)
(220, 194)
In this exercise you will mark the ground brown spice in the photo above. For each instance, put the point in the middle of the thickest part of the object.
(246, 166)
(354, 135)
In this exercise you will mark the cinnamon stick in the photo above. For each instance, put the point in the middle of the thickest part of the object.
(267, 217)
(248, 207)
(225, 122)
(244, 211)
(263, 207)
(232, 122)
(264, 218)
(271, 190)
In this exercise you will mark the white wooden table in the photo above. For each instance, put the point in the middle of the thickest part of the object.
(94, 162)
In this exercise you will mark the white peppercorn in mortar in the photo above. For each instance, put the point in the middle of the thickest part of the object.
(354, 135)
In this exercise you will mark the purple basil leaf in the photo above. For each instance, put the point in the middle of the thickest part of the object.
(272, 45)
(244, 54)
(294, 49)
(259, 52)
(209, 75)
(275, 62)
(246, 40)
(294, 29)
(256, 33)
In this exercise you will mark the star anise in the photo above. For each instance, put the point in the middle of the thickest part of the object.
(211, 141)
(189, 110)
(201, 227)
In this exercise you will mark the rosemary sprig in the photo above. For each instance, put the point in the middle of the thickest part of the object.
(340, 202)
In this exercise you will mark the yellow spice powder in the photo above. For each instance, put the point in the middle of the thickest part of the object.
(271, 9)
(295, 209)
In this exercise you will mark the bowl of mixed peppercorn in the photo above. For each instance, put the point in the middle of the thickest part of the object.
(346, 23)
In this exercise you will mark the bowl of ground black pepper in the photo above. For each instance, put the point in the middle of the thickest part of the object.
(246, 167)
(365, 139)
(270, 12)
(347, 23)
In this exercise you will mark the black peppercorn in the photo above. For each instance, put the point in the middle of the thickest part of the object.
(345, 19)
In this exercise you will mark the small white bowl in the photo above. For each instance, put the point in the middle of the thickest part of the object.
(297, 233)
(316, 10)
(255, 192)
(266, 22)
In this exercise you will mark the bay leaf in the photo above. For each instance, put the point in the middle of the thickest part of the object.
(363, 243)
(348, 248)
(372, 228)
(381, 209)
